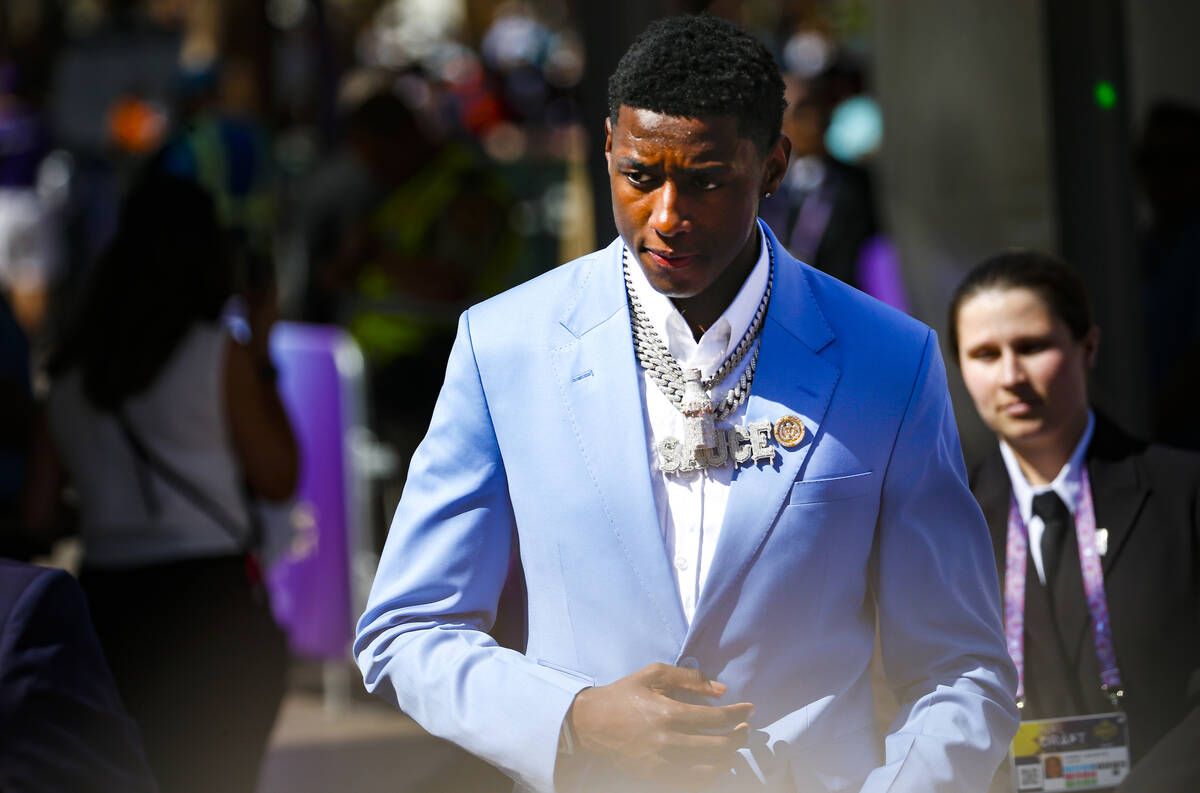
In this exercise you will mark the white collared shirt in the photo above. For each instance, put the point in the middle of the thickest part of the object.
(691, 507)
(1067, 484)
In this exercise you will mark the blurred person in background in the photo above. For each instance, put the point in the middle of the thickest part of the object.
(1111, 524)
(29, 243)
(401, 253)
(225, 149)
(109, 105)
(165, 425)
(28, 270)
(824, 210)
(63, 728)
(1168, 163)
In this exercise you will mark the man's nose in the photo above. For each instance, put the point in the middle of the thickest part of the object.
(669, 216)
(1012, 371)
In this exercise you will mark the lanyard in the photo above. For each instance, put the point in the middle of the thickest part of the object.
(1093, 587)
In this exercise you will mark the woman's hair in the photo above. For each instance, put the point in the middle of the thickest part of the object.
(165, 269)
(1051, 279)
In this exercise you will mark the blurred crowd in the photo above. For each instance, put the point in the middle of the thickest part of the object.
(375, 166)
(378, 166)
(177, 181)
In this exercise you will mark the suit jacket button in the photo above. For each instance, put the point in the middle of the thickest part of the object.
(688, 662)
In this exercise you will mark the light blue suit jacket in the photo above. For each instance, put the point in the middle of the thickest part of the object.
(538, 435)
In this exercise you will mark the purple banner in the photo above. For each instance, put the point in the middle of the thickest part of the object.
(309, 581)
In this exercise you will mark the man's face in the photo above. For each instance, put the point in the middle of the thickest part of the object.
(1026, 372)
(804, 120)
(685, 195)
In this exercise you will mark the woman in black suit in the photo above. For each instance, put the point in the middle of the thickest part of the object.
(1021, 329)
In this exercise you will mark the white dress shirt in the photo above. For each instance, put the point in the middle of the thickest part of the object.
(1067, 484)
(691, 506)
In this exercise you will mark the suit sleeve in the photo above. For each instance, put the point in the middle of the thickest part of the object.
(62, 724)
(938, 607)
(421, 642)
(1173, 764)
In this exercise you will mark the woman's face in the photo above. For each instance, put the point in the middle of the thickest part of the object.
(1024, 370)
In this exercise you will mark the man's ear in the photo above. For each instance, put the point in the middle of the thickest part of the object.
(775, 164)
(608, 140)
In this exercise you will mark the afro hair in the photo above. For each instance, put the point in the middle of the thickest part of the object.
(694, 66)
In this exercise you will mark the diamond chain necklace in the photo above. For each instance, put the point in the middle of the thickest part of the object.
(666, 372)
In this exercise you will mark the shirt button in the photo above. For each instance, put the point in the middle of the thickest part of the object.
(680, 563)
(688, 662)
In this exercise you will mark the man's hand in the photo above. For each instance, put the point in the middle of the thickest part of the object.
(636, 725)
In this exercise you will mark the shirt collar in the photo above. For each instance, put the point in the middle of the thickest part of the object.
(716, 343)
(1067, 484)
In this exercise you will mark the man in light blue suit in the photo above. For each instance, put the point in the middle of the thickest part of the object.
(723, 470)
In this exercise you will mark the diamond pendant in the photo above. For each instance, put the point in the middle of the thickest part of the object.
(736, 446)
(699, 430)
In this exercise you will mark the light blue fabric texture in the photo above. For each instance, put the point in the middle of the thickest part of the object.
(538, 433)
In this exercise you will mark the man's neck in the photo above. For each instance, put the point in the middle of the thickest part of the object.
(1041, 462)
(702, 310)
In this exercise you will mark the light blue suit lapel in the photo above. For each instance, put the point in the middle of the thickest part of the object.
(791, 379)
(598, 377)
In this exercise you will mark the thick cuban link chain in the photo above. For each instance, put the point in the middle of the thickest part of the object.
(666, 372)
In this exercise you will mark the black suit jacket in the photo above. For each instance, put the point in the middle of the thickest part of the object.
(63, 728)
(1148, 498)
(852, 220)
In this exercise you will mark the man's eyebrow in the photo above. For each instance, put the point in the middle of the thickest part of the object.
(625, 161)
(629, 162)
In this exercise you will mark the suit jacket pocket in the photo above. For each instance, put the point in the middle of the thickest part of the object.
(838, 488)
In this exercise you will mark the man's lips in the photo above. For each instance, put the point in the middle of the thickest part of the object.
(1020, 408)
(670, 259)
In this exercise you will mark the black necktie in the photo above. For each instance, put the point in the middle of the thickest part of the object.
(1057, 519)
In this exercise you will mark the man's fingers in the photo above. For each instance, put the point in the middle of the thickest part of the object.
(664, 677)
(716, 751)
(687, 718)
(704, 744)
(640, 724)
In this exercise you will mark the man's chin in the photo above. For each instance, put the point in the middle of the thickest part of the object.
(674, 288)
(1023, 432)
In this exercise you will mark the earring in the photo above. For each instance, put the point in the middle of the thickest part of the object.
(767, 194)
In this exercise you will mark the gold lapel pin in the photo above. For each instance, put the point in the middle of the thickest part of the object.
(789, 431)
